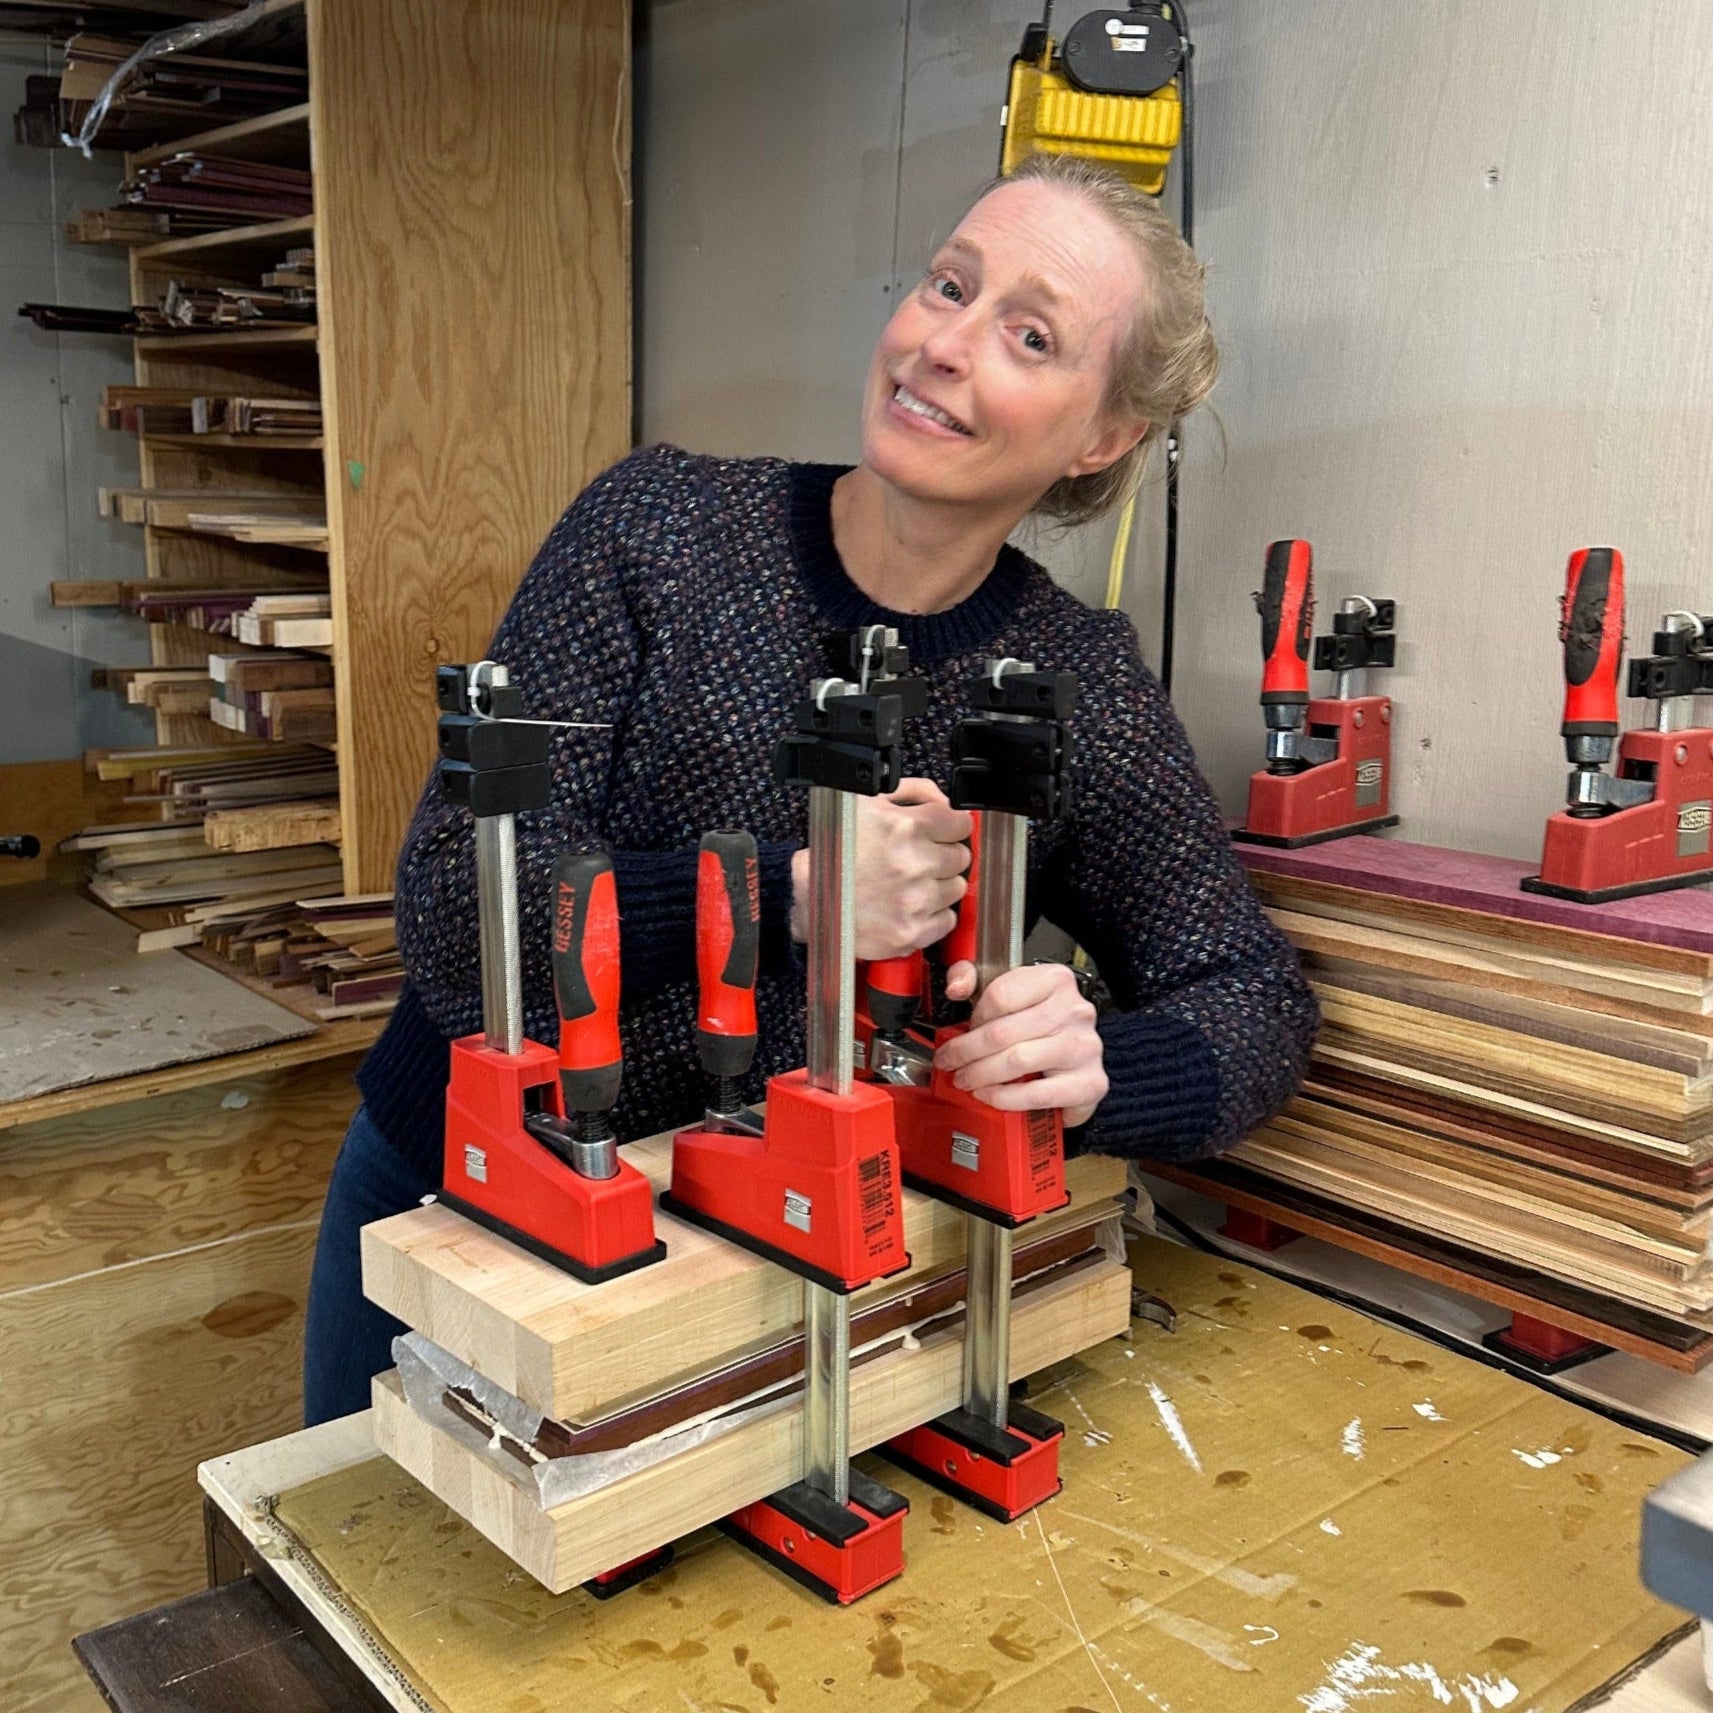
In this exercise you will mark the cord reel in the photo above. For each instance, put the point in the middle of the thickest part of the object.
(1110, 91)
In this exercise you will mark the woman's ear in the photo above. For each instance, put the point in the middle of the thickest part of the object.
(1112, 442)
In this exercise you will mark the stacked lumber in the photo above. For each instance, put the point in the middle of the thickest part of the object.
(282, 716)
(173, 508)
(130, 227)
(247, 191)
(169, 97)
(295, 273)
(165, 689)
(216, 610)
(1524, 1077)
(184, 410)
(186, 874)
(570, 1423)
(184, 784)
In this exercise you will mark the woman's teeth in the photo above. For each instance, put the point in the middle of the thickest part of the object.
(921, 407)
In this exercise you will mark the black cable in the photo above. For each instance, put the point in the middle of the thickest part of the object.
(1186, 225)
(1681, 1438)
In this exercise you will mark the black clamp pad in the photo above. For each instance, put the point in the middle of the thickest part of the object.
(488, 744)
(497, 791)
(1359, 640)
(1018, 767)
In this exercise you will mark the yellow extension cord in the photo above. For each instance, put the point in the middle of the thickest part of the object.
(1114, 594)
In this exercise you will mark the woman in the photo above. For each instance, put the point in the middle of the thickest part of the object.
(682, 602)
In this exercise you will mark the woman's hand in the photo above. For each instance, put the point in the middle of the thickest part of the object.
(1031, 1043)
(911, 854)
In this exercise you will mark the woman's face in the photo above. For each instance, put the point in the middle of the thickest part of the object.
(989, 382)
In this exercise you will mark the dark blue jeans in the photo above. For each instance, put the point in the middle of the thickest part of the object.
(347, 1340)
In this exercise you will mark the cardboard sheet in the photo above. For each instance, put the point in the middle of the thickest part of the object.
(1282, 1505)
(82, 1005)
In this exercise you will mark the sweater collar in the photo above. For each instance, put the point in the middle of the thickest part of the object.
(966, 628)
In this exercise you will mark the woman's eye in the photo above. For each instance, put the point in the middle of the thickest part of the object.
(947, 288)
(1037, 341)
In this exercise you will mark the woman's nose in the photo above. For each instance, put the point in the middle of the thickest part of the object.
(947, 348)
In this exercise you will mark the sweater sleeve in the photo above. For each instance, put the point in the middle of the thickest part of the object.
(573, 644)
(1214, 1020)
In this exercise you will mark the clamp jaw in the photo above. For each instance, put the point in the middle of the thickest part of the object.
(1011, 762)
(1646, 825)
(1328, 757)
(816, 1191)
(529, 1149)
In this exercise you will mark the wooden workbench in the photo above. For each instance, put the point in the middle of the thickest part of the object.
(1192, 1545)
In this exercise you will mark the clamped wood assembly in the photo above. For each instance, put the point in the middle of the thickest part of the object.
(529, 1144)
(1329, 758)
(1645, 826)
(1010, 764)
(816, 1186)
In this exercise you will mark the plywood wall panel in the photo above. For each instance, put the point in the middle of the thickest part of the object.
(472, 251)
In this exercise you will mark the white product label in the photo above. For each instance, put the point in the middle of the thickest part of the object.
(797, 1208)
(475, 1163)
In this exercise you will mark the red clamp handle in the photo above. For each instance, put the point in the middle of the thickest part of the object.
(895, 991)
(586, 980)
(959, 945)
(1286, 605)
(728, 947)
(1591, 628)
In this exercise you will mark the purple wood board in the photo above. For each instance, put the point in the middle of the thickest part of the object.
(1470, 881)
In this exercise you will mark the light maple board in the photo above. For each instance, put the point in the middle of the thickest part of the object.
(583, 1537)
(576, 1351)
(82, 1006)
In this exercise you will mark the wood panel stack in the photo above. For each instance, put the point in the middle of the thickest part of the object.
(1525, 1077)
(566, 1374)
(330, 380)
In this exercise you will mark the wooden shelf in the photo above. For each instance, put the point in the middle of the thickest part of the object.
(259, 442)
(265, 243)
(240, 339)
(280, 139)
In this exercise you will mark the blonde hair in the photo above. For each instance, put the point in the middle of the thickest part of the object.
(1167, 362)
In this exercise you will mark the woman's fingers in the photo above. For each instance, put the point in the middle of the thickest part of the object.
(1032, 1046)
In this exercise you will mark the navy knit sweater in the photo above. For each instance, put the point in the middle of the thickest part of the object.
(684, 601)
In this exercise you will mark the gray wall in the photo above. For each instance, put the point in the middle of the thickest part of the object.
(53, 457)
(1461, 259)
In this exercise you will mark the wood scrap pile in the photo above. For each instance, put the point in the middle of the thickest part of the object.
(524, 1396)
(1522, 1076)
(186, 305)
(340, 951)
(287, 621)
